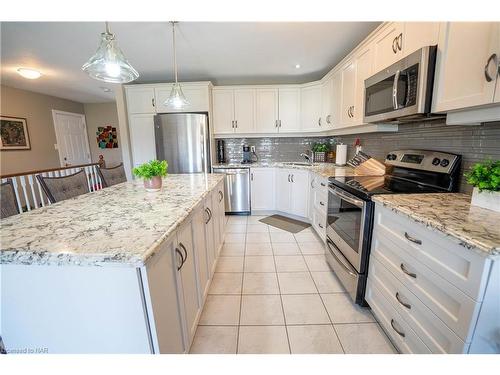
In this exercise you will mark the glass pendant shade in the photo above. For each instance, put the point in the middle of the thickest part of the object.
(108, 63)
(177, 99)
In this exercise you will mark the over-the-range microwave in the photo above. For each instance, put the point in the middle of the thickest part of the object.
(403, 91)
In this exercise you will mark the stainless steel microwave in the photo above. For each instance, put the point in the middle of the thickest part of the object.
(403, 91)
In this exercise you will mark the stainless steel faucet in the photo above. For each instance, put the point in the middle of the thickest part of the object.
(307, 157)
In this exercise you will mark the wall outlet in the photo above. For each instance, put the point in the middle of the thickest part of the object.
(252, 148)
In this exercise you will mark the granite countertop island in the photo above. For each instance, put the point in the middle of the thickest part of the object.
(452, 214)
(119, 225)
(323, 169)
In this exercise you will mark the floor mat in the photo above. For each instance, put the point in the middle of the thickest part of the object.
(285, 223)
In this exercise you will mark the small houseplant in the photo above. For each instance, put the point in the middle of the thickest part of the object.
(152, 172)
(320, 150)
(485, 177)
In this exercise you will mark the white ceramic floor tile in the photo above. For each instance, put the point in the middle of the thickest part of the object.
(304, 309)
(257, 228)
(229, 264)
(258, 238)
(255, 219)
(235, 238)
(327, 282)
(258, 249)
(259, 264)
(263, 340)
(342, 309)
(287, 248)
(221, 310)
(282, 237)
(260, 283)
(307, 237)
(314, 339)
(233, 249)
(290, 263)
(261, 310)
(235, 219)
(215, 340)
(312, 248)
(296, 283)
(316, 263)
(236, 228)
(365, 338)
(226, 283)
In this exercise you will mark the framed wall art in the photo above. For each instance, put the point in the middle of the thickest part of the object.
(106, 137)
(14, 133)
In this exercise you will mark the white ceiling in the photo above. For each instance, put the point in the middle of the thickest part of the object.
(224, 53)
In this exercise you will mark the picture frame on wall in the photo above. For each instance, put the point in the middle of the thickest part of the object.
(14, 133)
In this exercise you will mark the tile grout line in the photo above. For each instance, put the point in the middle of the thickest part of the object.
(241, 291)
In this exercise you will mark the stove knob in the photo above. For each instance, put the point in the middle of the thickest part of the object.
(436, 161)
(389, 157)
(445, 162)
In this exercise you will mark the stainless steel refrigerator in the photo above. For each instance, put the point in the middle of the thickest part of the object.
(182, 139)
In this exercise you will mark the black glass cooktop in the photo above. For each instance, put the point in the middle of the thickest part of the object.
(366, 186)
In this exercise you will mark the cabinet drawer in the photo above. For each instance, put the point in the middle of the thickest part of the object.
(430, 329)
(451, 305)
(319, 223)
(320, 184)
(320, 201)
(406, 340)
(461, 267)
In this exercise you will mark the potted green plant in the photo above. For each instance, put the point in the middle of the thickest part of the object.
(152, 172)
(485, 177)
(320, 150)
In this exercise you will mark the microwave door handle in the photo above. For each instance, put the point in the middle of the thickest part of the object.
(395, 90)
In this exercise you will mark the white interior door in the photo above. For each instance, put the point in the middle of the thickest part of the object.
(72, 139)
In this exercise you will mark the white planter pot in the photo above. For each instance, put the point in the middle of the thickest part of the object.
(486, 199)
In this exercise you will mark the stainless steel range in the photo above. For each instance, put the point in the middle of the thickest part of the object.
(350, 208)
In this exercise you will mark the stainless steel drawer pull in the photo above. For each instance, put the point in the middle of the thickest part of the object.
(321, 226)
(321, 203)
(412, 239)
(288, 178)
(182, 258)
(221, 194)
(411, 274)
(322, 184)
(346, 268)
(407, 305)
(185, 251)
(402, 334)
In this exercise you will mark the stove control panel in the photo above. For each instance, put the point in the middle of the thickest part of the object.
(426, 160)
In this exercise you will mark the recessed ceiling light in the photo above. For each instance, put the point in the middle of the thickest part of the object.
(297, 66)
(29, 73)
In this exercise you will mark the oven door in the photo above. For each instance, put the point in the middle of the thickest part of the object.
(345, 224)
(347, 275)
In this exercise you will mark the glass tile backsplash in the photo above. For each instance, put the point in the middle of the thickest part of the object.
(474, 143)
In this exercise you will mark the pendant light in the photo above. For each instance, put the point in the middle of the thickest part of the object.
(108, 63)
(176, 99)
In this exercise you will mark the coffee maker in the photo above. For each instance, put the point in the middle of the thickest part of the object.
(221, 151)
(247, 155)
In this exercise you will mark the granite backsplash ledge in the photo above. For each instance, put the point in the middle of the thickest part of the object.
(474, 143)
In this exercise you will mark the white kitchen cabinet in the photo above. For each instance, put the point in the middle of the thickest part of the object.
(140, 99)
(464, 49)
(348, 93)
(188, 283)
(419, 34)
(200, 246)
(364, 69)
(142, 135)
(222, 212)
(210, 236)
(216, 218)
(244, 110)
(267, 110)
(289, 109)
(283, 190)
(310, 107)
(336, 99)
(262, 187)
(326, 103)
(388, 45)
(196, 94)
(292, 191)
(223, 111)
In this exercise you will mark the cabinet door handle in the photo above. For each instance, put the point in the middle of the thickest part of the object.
(292, 178)
(221, 194)
(321, 226)
(153, 102)
(288, 178)
(412, 239)
(208, 216)
(321, 203)
(182, 258)
(279, 124)
(312, 183)
(181, 245)
(275, 123)
(402, 334)
(322, 184)
(407, 305)
(328, 119)
(232, 124)
(352, 111)
(486, 72)
(411, 274)
(394, 45)
(236, 123)
(400, 41)
(349, 112)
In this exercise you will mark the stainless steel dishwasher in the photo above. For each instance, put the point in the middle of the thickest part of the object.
(236, 189)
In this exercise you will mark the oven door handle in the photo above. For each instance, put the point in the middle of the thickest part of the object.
(395, 104)
(332, 251)
(354, 201)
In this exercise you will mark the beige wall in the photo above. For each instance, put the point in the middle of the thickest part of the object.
(103, 114)
(37, 109)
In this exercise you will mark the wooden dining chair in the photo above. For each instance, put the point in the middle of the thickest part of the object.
(112, 176)
(60, 188)
(8, 202)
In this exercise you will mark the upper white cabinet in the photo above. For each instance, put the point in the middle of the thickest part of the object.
(467, 65)
(262, 189)
(244, 110)
(140, 99)
(233, 110)
(336, 99)
(326, 102)
(223, 111)
(196, 94)
(364, 69)
(142, 136)
(388, 45)
(310, 107)
(419, 34)
(267, 110)
(348, 99)
(289, 109)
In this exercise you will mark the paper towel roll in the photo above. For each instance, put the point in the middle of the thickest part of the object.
(341, 157)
